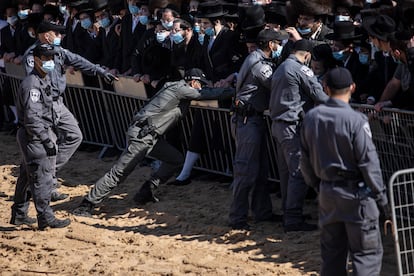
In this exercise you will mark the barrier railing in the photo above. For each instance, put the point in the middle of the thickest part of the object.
(401, 187)
(105, 115)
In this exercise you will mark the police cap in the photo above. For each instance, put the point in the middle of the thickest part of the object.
(338, 78)
(44, 49)
(45, 27)
(270, 35)
(195, 74)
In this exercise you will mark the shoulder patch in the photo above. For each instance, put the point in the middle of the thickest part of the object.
(30, 61)
(367, 129)
(266, 71)
(34, 95)
(306, 70)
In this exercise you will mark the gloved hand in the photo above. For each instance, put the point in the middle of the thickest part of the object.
(109, 77)
(50, 147)
(386, 211)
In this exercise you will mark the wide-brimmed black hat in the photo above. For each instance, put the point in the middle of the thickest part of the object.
(311, 7)
(380, 26)
(254, 18)
(45, 27)
(211, 9)
(232, 10)
(275, 13)
(98, 5)
(343, 30)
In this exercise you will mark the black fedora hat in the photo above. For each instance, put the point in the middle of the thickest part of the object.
(380, 26)
(275, 12)
(343, 30)
(211, 9)
(254, 18)
(98, 5)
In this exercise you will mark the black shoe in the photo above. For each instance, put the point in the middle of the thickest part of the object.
(85, 209)
(56, 196)
(24, 220)
(302, 226)
(55, 223)
(272, 218)
(240, 226)
(178, 182)
(146, 193)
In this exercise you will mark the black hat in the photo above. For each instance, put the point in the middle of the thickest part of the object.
(311, 7)
(232, 10)
(45, 27)
(303, 45)
(270, 35)
(338, 78)
(98, 5)
(211, 9)
(343, 30)
(254, 18)
(380, 26)
(195, 74)
(275, 12)
(77, 4)
(44, 49)
(34, 19)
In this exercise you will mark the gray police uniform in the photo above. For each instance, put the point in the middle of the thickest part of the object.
(251, 162)
(69, 134)
(144, 135)
(339, 159)
(294, 90)
(35, 112)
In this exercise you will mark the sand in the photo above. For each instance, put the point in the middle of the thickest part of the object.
(186, 233)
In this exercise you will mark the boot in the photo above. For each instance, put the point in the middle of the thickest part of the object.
(54, 223)
(56, 196)
(146, 193)
(85, 209)
(26, 220)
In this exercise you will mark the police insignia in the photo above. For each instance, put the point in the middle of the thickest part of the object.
(30, 61)
(266, 71)
(34, 95)
(367, 130)
(308, 72)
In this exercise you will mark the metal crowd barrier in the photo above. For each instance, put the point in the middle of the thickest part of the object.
(401, 187)
(104, 116)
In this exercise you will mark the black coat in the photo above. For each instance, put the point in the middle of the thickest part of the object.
(8, 41)
(186, 57)
(110, 45)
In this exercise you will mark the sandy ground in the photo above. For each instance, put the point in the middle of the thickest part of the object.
(185, 233)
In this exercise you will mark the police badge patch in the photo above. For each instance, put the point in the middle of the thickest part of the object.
(308, 72)
(34, 95)
(367, 130)
(266, 71)
(30, 61)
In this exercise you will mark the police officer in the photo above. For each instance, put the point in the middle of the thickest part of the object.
(69, 134)
(251, 161)
(145, 133)
(339, 159)
(36, 141)
(294, 90)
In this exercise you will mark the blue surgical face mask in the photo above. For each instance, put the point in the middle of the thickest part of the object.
(105, 22)
(161, 36)
(86, 23)
(304, 31)
(133, 9)
(48, 66)
(278, 52)
(342, 18)
(168, 25)
(12, 20)
(201, 38)
(23, 14)
(339, 55)
(177, 38)
(56, 41)
(210, 31)
(143, 19)
(363, 58)
(196, 29)
(63, 10)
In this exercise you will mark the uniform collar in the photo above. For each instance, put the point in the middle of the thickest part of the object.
(338, 103)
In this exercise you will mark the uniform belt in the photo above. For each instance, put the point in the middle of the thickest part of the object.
(246, 112)
(55, 98)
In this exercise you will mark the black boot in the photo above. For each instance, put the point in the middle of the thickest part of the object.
(54, 223)
(85, 208)
(146, 193)
(56, 196)
(26, 220)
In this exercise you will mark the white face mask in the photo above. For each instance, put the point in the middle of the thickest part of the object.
(12, 20)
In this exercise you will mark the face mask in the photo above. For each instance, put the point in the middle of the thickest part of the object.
(363, 58)
(177, 38)
(342, 18)
(339, 55)
(48, 66)
(201, 38)
(86, 23)
(104, 22)
(133, 9)
(23, 14)
(368, 1)
(56, 41)
(196, 29)
(210, 31)
(31, 34)
(161, 36)
(12, 20)
(63, 10)
(143, 19)
(278, 52)
(304, 31)
(167, 25)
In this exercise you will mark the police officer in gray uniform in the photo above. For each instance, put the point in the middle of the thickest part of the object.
(36, 138)
(251, 162)
(145, 133)
(340, 160)
(68, 132)
(294, 90)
